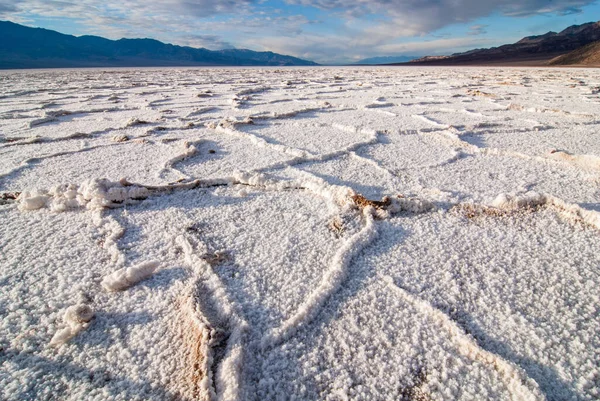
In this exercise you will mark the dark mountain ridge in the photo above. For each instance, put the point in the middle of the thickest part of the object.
(25, 47)
(533, 50)
(588, 55)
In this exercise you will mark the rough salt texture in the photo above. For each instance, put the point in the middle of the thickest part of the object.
(308, 234)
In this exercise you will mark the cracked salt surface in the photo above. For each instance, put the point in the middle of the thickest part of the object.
(309, 234)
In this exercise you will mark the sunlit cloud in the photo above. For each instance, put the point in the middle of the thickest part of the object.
(425, 16)
(476, 30)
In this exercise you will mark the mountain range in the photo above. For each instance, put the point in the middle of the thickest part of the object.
(531, 50)
(25, 47)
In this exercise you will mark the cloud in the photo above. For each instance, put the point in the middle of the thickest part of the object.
(7, 8)
(475, 30)
(339, 49)
(201, 8)
(127, 8)
(211, 42)
(176, 21)
(433, 46)
(427, 16)
(182, 21)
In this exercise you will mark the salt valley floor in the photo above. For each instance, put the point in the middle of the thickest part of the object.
(300, 234)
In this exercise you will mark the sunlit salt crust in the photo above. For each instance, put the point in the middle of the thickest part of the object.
(300, 233)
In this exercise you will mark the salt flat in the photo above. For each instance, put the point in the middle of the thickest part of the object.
(301, 234)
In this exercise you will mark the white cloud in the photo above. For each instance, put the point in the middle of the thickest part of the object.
(438, 46)
(426, 16)
(339, 49)
(475, 30)
(211, 42)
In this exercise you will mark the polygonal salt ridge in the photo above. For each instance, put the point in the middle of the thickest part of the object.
(229, 122)
(53, 115)
(120, 138)
(518, 107)
(199, 339)
(512, 201)
(590, 162)
(256, 179)
(340, 195)
(132, 122)
(533, 199)
(32, 200)
(49, 116)
(105, 193)
(274, 115)
(205, 93)
(93, 194)
(330, 283)
(253, 90)
(410, 204)
(207, 314)
(391, 205)
(188, 149)
(215, 315)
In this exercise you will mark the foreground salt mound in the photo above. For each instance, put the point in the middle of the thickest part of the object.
(519, 385)
(77, 319)
(126, 277)
(330, 283)
(216, 316)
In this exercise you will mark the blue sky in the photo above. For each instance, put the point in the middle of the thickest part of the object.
(326, 31)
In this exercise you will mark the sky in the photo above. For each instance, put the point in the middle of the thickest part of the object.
(325, 31)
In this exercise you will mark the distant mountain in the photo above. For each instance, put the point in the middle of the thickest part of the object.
(531, 50)
(586, 55)
(25, 47)
(386, 60)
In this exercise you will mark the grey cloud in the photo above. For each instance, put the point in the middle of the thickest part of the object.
(338, 49)
(166, 20)
(207, 8)
(477, 30)
(7, 8)
(427, 16)
(570, 11)
(85, 8)
(211, 42)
